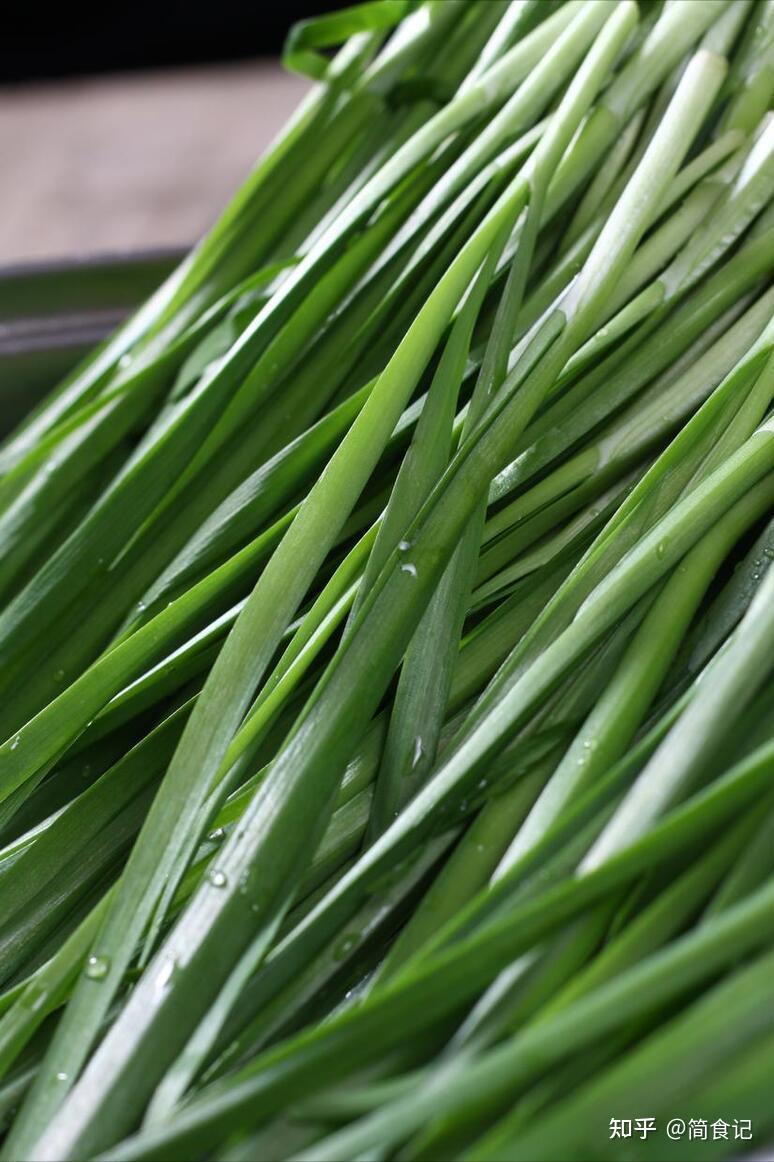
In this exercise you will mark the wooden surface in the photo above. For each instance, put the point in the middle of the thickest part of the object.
(140, 160)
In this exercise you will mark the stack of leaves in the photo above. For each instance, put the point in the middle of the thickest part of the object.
(387, 627)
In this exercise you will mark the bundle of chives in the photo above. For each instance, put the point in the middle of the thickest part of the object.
(386, 622)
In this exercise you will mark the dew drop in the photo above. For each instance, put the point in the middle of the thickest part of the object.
(345, 945)
(97, 967)
(165, 975)
(404, 546)
(217, 878)
(34, 1002)
(59, 675)
(62, 1076)
(16, 742)
(125, 361)
(409, 568)
(217, 835)
(419, 750)
(141, 607)
(661, 548)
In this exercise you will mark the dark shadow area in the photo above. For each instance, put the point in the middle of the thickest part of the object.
(82, 39)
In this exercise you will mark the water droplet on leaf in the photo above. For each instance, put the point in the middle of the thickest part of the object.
(165, 974)
(97, 967)
(345, 945)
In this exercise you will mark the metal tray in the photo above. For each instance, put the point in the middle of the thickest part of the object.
(53, 313)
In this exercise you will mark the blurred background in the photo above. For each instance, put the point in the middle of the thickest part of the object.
(129, 125)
